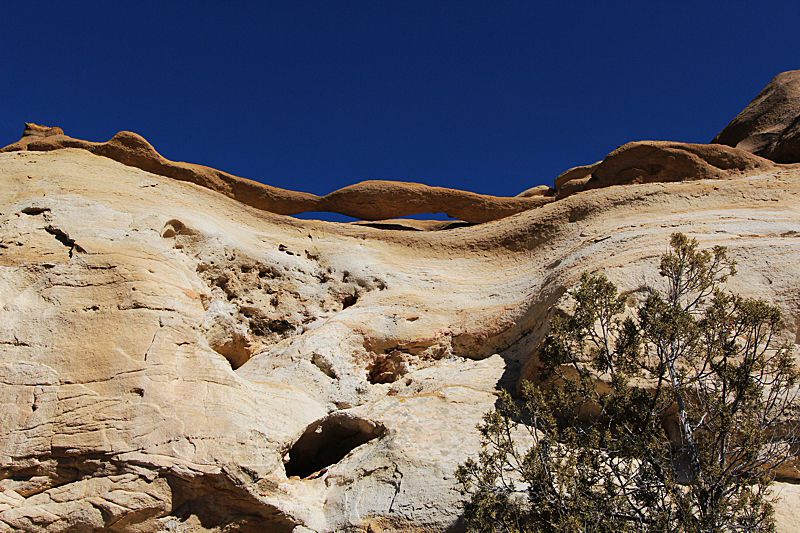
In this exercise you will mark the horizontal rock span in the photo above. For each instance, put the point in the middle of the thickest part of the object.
(370, 200)
(638, 162)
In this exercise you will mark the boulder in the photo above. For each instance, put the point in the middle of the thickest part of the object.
(770, 125)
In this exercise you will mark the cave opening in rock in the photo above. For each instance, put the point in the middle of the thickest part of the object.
(349, 300)
(328, 441)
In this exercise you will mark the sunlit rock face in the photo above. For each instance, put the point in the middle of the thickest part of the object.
(173, 358)
(770, 125)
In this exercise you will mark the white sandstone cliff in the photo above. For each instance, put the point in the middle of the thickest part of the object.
(172, 359)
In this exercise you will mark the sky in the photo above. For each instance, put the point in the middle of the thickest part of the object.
(492, 96)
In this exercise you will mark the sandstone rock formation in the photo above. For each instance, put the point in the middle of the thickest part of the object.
(770, 125)
(369, 200)
(660, 162)
(177, 355)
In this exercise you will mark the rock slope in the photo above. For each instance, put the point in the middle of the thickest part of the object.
(176, 354)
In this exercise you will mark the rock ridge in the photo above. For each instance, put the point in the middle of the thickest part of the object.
(376, 200)
(369, 200)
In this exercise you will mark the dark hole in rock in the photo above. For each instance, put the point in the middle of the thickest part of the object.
(386, 368)
(328, 441)
(34, 210)
(62, 237)
(458, 224)
(400, 227)
(349, 300)
(175, 227)
(264, 326)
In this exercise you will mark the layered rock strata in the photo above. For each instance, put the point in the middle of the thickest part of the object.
(176, 357)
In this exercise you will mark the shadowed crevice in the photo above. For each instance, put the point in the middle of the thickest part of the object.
(328, 441)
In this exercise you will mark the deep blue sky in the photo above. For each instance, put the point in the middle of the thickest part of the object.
(492, 96)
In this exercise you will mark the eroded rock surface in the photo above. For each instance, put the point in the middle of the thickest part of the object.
(165, 348)
(770, 125)
(369, 200)
(174, 359)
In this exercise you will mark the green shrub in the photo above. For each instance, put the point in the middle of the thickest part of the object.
(671, 417)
